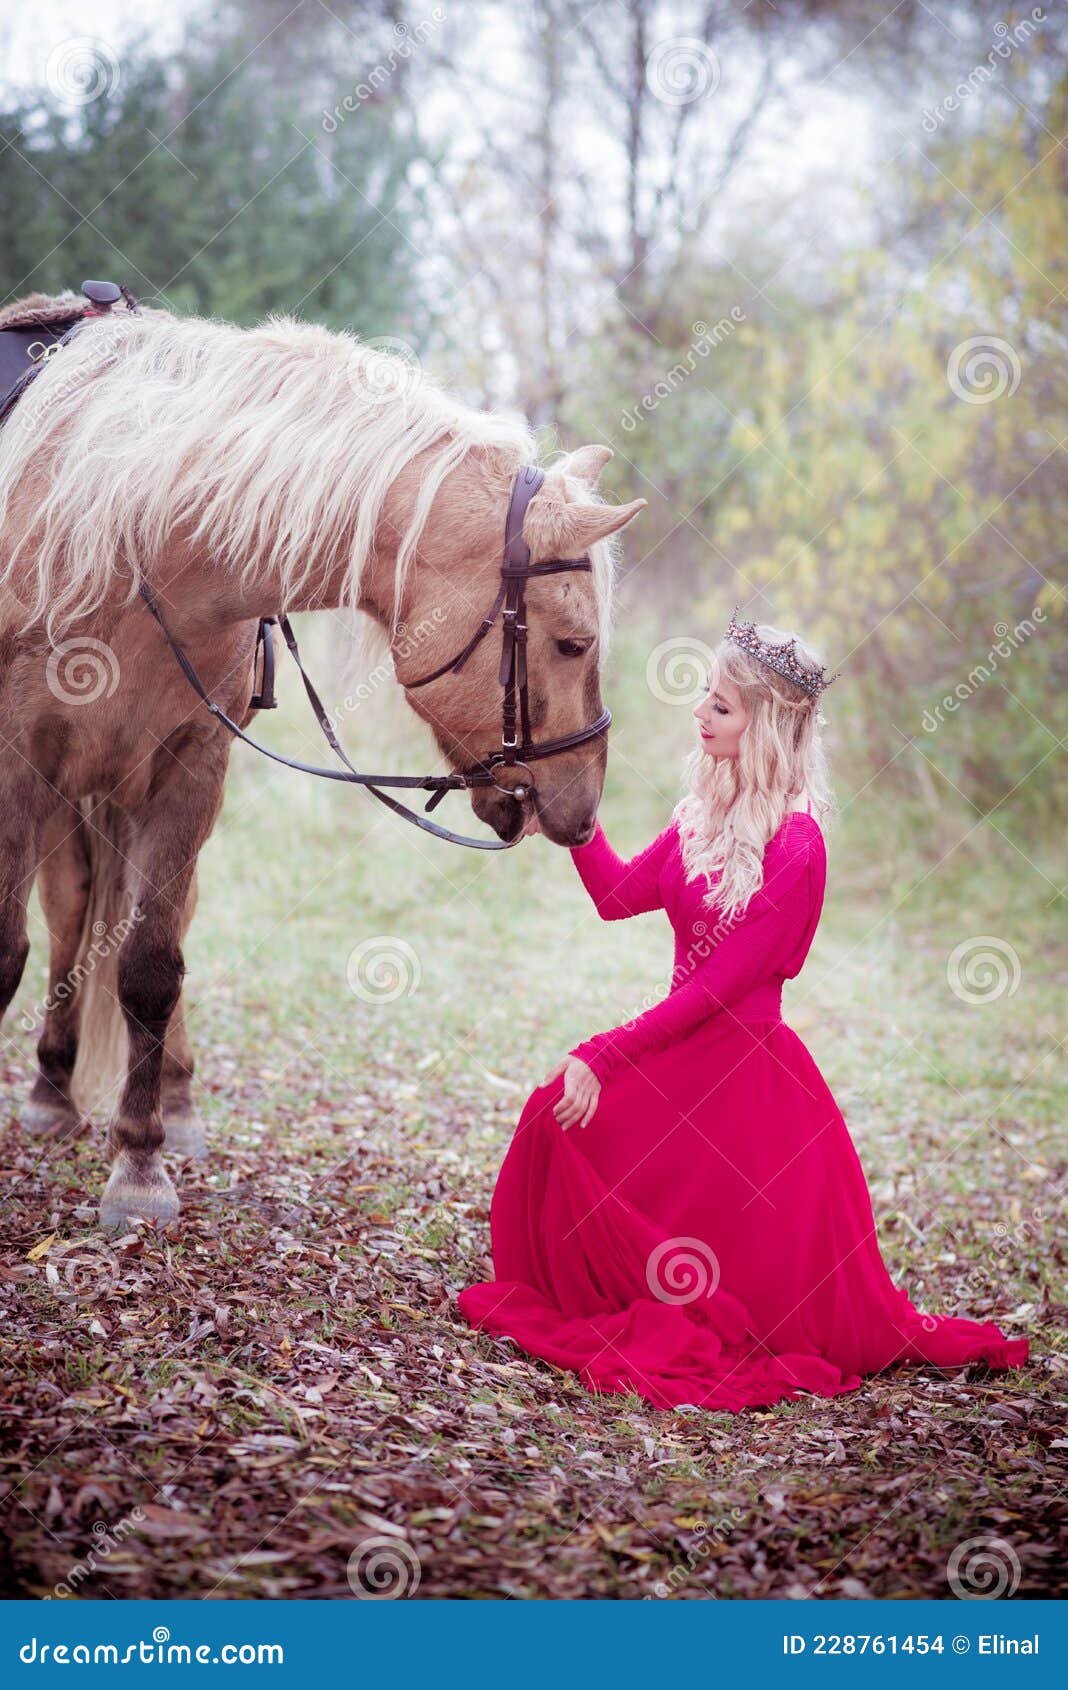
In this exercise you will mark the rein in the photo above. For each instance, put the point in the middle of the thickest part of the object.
(515, 751)
(25, 351)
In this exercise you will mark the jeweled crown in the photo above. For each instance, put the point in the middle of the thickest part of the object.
(784, 659)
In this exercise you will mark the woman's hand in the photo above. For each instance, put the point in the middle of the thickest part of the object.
(582, 1088)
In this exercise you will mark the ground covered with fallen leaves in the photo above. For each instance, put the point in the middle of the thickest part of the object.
(277, 1397)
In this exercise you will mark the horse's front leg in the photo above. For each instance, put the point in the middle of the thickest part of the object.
(63, 884)
(183, 1124)
(169, 832)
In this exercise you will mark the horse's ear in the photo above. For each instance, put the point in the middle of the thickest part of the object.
(586, 464)
(555, 529)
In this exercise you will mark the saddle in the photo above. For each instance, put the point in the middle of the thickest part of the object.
(31, 329)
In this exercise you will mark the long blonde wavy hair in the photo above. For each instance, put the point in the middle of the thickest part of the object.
(733, 806)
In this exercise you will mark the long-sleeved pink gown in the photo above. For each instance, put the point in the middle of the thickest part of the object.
(708, 1238)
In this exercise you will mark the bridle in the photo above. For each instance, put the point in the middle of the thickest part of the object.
(516, 571)
(518, 748)
(27, 350)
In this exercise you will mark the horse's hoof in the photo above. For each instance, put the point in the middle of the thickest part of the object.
(134, 1190)
(184, 1135)
(57, 1120)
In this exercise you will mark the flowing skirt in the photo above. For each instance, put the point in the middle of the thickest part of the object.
(708, 1238)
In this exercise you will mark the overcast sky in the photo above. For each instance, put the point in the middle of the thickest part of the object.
(28, 33)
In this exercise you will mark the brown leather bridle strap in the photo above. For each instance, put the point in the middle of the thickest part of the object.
(517, 747)
(515, 571)
(456, 663)
(516, 564)
(350, 775)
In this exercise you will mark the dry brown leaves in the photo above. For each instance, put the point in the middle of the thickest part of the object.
(235, 1408)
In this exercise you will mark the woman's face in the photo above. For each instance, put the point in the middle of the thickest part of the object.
(721, 719)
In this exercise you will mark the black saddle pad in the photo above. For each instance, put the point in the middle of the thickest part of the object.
(15, 346)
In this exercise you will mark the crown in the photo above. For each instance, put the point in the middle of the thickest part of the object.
(783, 659)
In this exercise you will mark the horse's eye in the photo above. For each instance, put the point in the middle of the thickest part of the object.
(573, 648)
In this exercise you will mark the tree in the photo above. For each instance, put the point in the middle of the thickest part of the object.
(213, 189)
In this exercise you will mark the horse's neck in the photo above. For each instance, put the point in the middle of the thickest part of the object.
(208, 592)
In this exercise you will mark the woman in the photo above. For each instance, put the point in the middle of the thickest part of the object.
(682, 1213)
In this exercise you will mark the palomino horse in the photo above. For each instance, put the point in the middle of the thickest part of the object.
(234, 473)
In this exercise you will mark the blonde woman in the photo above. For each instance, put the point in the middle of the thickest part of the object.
(682, 1213)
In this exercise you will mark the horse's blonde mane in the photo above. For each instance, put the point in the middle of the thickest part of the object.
(146, 425)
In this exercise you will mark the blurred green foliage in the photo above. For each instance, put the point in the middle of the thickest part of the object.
(883, 470)
(209, 183)
(856, 434)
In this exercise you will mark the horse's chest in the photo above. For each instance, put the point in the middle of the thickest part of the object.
(97, 718)
(110, 754)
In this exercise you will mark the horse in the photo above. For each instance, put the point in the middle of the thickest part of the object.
(229, 473)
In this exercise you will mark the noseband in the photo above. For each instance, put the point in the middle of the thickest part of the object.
(516, 571)
(517, 748)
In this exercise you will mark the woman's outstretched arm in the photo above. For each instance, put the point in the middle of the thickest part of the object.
(621, 888)
(761, 943)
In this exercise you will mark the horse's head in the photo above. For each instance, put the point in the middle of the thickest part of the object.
(454, 586)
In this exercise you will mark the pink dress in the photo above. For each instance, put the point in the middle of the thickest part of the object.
(708, 1238)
